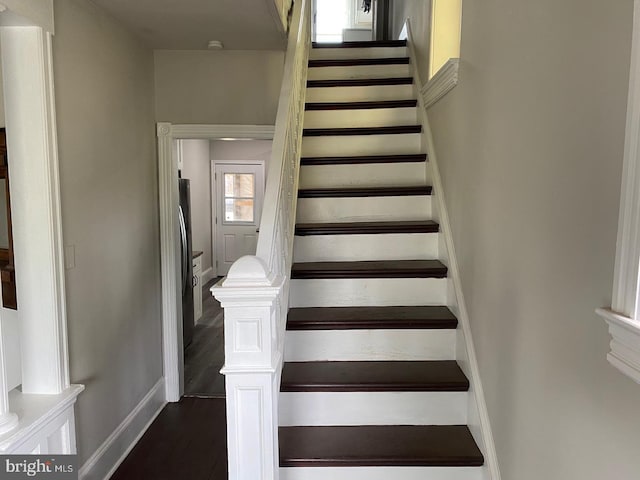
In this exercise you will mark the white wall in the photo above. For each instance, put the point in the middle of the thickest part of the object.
(530, 146)
(197, 168)
(218, 87)
(108, 171)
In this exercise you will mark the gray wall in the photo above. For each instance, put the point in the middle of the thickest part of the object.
(242, 150)
(530, 146)
(224, 87)
(104, 98)
(197, 168)
(419, 13)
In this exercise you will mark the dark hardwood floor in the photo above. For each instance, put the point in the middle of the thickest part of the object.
(187, 441)
(204, 358)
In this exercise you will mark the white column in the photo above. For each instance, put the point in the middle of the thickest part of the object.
(250, 297)
(170, 264)
(37, 226)
(8, 420)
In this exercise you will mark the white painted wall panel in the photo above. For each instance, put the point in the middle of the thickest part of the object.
(361, 145)
(378, 117)
(360, 94)
(363, 345)
(323, 248)
(312, 210)
(367, 175)
(365, 292)
(372, 408)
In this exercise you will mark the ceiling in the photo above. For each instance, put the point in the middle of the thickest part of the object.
(190, 24)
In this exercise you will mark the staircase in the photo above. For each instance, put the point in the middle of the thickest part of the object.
(370, 387)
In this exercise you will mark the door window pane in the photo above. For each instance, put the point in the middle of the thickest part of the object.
(239, 196)
(239, 185)
(238, 209)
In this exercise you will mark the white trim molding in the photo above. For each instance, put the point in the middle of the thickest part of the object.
(625, 343)
(211, 132)
(108, 457)
(441, 83)
(173, 360)
(623, 315)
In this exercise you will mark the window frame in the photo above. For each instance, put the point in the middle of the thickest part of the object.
(623, 316)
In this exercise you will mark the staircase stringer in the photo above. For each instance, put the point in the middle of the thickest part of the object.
(478, 416)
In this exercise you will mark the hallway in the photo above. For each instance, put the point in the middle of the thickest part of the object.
(204, 358)
(186, 441)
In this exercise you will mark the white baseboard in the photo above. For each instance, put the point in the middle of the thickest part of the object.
(208, 275)
(108, 457)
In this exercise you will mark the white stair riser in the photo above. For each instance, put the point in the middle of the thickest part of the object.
(383, 473)
(368, 292)
(375, 117)
(369, 345)
(396, 246)
(338, 53)
(359, 71)
(332, 146)
(363, 209)
(360, 94)
(372, 408)
(364, 175)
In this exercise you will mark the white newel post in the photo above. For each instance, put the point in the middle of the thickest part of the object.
(249, 296)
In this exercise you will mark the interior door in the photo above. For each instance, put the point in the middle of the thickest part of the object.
(239, 194)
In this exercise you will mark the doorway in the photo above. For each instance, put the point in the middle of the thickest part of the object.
(239, 191)
(337, 21)
(221, 139)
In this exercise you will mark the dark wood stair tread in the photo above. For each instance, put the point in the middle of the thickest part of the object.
(360, 318)
(364, 192)
(360, 82)
(400, 376)
(355, 62)
(364, 159)
(370, 269)
(379, 445)
(341, 132)
(361, 105)
(367, 228)
(362, 44)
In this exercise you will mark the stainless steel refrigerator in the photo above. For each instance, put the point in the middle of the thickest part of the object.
(186, 260)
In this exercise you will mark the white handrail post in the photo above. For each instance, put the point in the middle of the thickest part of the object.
(249, 296)
(256, 291)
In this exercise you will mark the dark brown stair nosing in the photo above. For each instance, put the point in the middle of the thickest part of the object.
(362, 44)
(361, 105)
(428, 317)
(369, 269)
(350, 131)
(367, 228)
(364, 159)
(374, 376)
(379, 445)
(360, 82)
(355, 62)
(353, 192)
